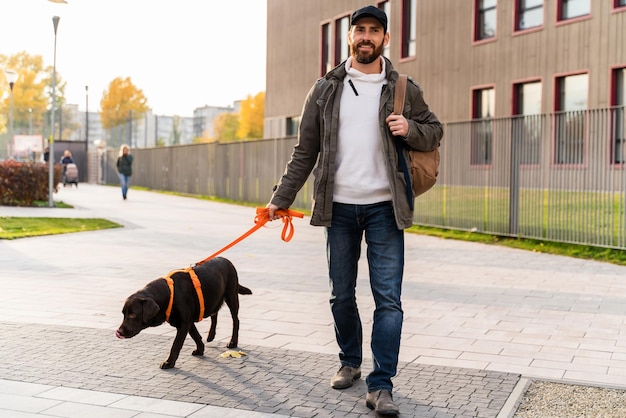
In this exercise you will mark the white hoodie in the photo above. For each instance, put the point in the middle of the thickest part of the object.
(360, 176)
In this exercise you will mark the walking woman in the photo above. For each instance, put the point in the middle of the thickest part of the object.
(125, 168)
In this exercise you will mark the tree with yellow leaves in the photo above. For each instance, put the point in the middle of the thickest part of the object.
(31, 93)
(121, 102)
(225, 127)
(251, 117)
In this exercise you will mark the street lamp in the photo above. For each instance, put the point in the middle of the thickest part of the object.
(86, 118)
(55, 23)
(11, 76)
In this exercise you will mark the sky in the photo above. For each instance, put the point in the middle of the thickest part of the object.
(183, 54)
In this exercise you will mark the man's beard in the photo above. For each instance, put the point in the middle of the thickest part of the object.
(366, 58)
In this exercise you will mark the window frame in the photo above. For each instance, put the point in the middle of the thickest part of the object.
(340, 39)
(618, 114)
(291, 125)
(563, 122)
(482, 128)
(326, 47)
(531, 125)
(409, 30)
(565, 20)
(518, 14)
(479, 12)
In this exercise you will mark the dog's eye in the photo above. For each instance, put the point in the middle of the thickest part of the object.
(132, 316)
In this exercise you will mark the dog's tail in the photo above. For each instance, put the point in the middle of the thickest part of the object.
(242, 290)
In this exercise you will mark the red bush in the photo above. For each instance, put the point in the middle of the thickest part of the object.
(23, 183)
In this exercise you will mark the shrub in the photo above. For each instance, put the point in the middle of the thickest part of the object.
(22, 183)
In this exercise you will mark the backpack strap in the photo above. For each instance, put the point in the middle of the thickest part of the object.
(399, 94)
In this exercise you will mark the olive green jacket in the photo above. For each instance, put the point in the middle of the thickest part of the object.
(317, 145)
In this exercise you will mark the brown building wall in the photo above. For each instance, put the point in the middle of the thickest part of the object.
(448, 64)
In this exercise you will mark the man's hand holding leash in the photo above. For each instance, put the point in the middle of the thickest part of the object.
(271, 209)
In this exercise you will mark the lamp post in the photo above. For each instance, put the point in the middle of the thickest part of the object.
(11, 76)
(55, 23)
(30, 121)
(86, 118)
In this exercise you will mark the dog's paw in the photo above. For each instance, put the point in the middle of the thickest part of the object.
(198, 352)
(210, 337)
(167, 365)
(232, 344)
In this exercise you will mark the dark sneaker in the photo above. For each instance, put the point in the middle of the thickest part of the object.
(345, 377)
(382, 402)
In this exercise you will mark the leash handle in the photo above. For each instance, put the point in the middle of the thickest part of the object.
(261, 218)
(262, 215)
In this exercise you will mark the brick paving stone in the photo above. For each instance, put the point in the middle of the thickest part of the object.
(266, 380)
(507, 312)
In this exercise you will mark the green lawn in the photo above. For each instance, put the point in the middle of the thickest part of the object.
(608, 255)
(595, 218)
(15, 227)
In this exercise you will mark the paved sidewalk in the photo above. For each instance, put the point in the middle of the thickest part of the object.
(479, 320)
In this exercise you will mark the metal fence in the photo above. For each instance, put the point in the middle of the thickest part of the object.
(557, 177)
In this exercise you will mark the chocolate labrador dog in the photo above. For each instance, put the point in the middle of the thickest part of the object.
(182, 298)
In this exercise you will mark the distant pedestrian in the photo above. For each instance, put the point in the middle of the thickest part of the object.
(67, 159)
(46, 154)
(125, 168)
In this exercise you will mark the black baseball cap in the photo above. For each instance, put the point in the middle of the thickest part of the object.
(370, 11)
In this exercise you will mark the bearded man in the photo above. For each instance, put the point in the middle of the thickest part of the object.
(359, 190)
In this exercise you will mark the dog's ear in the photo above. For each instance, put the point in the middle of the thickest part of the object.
(149, 310)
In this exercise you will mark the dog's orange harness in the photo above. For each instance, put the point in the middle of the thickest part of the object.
(196, 284)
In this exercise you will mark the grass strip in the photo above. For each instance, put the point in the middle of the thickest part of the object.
(18, 227)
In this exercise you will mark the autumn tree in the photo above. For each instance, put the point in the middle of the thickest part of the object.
(31, 94)
(251, 117)
(225, 127)
(122, 102)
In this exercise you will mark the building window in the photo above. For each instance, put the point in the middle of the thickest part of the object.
(485, 19)
(342, 47)
(409, 27)
(570, 9)
(618, 116)
(292, 126)
(529, 14)
(326, 64)
(386, 7)
(483, 109)
(620, 3)
(571, 118)
(528, 121)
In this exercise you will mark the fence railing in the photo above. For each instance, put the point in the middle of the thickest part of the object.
(558, 177)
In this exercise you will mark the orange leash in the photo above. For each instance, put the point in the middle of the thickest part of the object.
(261, 218)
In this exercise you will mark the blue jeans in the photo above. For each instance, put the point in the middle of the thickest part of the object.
(385, 256)
(125, 183)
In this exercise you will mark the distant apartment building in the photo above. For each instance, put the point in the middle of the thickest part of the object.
(148, 131)
(204, 118)
(84, 127)
(475, 59)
